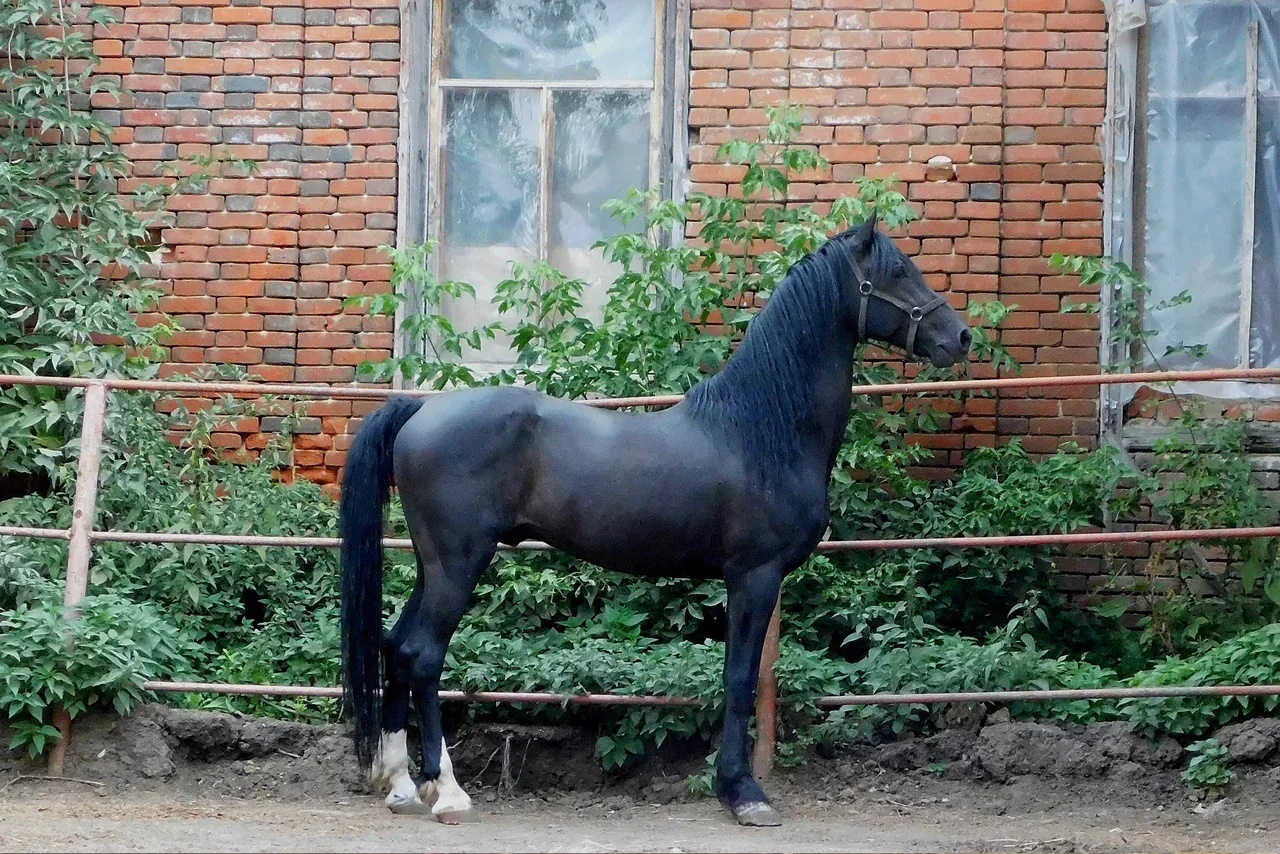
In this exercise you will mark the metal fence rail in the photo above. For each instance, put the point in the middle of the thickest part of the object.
(1150, 692)
(81, 536)
(982, 542)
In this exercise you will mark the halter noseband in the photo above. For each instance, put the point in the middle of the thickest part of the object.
(915, 313)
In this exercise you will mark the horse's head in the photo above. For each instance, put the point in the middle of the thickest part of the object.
(887, 300)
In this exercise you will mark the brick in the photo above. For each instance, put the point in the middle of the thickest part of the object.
(719, 59)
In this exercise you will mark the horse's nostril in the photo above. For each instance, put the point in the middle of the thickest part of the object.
(966, 338)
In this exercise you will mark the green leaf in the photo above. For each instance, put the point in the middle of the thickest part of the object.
(1111, 609)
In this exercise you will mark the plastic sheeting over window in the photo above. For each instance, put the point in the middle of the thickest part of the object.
(1195, 208)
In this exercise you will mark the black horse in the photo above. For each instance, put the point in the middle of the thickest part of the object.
(732, 482)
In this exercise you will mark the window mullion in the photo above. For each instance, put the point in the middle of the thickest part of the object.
(435, 139)
(545, 149)
(1250, 170)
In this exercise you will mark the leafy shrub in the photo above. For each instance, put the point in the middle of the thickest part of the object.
(100, 656)
(1208, 767)
(1252, 658)
(76, 242)
(1198, 476)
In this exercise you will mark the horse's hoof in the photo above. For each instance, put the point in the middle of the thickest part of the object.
(453, 816)
(757, 814)
(406, 805)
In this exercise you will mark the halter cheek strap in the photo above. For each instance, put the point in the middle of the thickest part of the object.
(914, 313)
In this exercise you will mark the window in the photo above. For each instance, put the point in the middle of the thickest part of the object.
(541, 111)
(1208, 177)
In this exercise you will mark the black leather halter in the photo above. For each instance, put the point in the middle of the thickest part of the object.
(915, 313)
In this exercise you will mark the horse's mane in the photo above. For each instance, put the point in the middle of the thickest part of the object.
(766, 389)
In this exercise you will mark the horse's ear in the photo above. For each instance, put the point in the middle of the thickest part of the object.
(865, 233)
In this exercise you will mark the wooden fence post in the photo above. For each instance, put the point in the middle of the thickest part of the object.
(80, 546)
(767, 697)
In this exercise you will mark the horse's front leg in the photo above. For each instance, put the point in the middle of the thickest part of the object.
(752, 596)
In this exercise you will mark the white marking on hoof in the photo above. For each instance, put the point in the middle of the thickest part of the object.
(449, 803)
(392, 758)
(391, 770)
(757, 814)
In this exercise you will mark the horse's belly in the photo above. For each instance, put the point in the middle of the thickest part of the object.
(640, 529)
(631, 508)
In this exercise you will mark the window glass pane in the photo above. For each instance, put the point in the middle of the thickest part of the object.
(551, 39)
(1264, 339)
(491, 167)
(1194, 217)
(601, 151)
(1198, 48)
(490, 190)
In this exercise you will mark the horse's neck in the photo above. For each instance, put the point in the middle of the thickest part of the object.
(833, 397)
(823, 411)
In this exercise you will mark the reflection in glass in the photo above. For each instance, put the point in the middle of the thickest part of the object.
(601, 151)
(491, 204)
(1196, 176)
(490, 182)
(1198, 49)
(550, 39)
(491, 167)
(1193, 225)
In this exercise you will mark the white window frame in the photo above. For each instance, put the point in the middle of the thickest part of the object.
(420, 156)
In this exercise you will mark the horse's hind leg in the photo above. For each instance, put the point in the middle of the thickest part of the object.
(391, 763)
(447, 588)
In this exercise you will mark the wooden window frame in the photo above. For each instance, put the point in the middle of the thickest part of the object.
(423, 43)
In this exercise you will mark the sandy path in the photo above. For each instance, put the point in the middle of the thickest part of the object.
(41, 817)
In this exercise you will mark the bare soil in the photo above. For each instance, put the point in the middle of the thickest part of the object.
(170, 780)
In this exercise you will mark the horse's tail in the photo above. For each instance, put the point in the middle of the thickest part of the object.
(366, 489)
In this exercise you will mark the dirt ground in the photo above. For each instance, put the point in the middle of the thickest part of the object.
(183, 781)
(52, 820)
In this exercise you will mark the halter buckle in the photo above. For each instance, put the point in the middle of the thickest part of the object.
(917, 313)
(864, 287)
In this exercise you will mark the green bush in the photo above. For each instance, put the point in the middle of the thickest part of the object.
(100, 656)
(1208, 769)
(76, 253)
(1252, 658)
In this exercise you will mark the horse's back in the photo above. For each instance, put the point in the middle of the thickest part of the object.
(467, 449)
(627, 490)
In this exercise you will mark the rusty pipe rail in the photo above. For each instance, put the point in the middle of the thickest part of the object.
(1150, 692)
(356, 392)
(458, 696)
(1154, 692)
(978, 542)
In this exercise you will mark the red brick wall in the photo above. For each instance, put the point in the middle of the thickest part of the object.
(1055, 96)
(1011, 90)
(260, 264)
